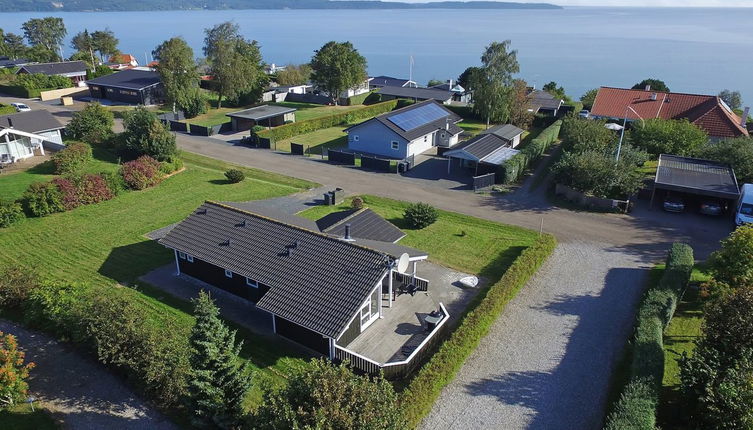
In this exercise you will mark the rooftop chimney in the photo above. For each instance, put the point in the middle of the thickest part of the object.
(648, 87)
(744, 119)
(653, 96)
(450, 82)
(10, 122)
(347, 232)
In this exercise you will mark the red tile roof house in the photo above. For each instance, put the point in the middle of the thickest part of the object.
(709, 113)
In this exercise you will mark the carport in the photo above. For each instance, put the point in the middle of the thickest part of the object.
(267, 115)
(696, 177)
(483, 154)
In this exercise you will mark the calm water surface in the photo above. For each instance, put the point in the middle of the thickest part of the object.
(693, 50)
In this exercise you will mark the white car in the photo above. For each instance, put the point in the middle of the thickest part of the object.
(20, 107)
(584, 113)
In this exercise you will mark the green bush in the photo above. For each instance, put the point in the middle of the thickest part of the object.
(234, 176)
(356, 203)
(72, 158)
(302, 127)
(93, 124)
(141, 173)
(42, 199)
(512, 169)
(11, 212)
(16, 284)
(420, 215)
(419, 396)
(359, 99)
(635, 410)
(114, 181)
(596, 173)
(667, 136)
(647, 361)
(579, 134)
(6, 109)
(171, 166)
(39, 81)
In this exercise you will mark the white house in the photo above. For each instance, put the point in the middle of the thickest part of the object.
(24, 133)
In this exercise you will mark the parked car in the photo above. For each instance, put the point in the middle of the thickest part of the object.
(20, 107)
(584, 113)
(712, 207)
(674, 203)
(745, 206)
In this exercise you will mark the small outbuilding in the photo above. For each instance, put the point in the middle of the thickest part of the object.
(132, 86)
(506, 132)
(696, 177)
(265, 115)
(482, 154)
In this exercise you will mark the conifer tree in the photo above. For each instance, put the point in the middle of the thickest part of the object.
(218, 381)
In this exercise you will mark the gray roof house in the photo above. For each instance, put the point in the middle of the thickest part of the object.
(389, 81)
(128, 87)
(484, 153)
(542, 102)
(416, 94)
(507, 132)
(45, 127)
(459, 94)
(405, 132)
(75, 70)
(321, 290)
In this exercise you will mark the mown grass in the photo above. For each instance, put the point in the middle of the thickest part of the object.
(473, 127)
(13, 184)
(317, 141)
(105, 243)
(312, 111)
(21, 417)
(457, 241)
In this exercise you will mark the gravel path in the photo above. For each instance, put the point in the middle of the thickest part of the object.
(576, 314)
(79, 391)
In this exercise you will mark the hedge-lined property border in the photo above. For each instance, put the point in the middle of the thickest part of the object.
(636, 408)
(22, 92)
(512, 169)
(307, 126)
(421, 393)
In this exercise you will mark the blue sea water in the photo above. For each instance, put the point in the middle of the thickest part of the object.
(695, 50)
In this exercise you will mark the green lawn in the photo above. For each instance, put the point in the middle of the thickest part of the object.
(20, 417)
(648, 170)
(457, 241)
(311, 110)
(332, 137)
(472, 126)
(679, 338)
(13, 185)
(105, 243)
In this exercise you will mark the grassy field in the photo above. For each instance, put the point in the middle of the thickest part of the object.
(679, 338)
(332, 137)
(305, 111)
(20, 417)
(472, 126)
(457, 241)
(105, 243)
(13, 184)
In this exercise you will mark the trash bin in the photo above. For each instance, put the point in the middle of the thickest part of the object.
(327, 199)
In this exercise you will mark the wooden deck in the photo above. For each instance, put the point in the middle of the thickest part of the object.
(393, 337)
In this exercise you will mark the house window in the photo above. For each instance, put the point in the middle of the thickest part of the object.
(395, 145)
(182, 255)
(251, 283)
(189, 258)
(228, 273)
(355, 138)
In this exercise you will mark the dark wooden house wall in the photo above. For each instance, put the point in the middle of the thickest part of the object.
(352, 332)
(147, 96)
(214, 275)
(302, 335)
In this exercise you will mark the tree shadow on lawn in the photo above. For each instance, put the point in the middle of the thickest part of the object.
(126, 263)
(573, 393)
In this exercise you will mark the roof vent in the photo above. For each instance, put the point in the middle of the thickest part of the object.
(295, 244)
(242, 223)
(653, 97)
(226, 243)
(648, 87)
(202, 211)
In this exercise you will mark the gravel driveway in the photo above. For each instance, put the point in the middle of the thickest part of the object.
(79, 391)
(576, 314)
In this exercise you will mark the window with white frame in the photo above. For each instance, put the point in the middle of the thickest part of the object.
(228, 273)
(395, 145)
(251, 283)
(182, 255)
(189, 258)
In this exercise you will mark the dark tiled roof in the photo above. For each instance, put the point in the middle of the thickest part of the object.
(417, 132)
(129, 79)
(34, 121)
(507, 131)
(538, 99)
(364, 224)
(261, 112)
(696, 176)
(320, 285)
(56, 68)
(388, 81)
(706, 111)
(259, 208)
(417, 93)
(483, 148)
(13, 63)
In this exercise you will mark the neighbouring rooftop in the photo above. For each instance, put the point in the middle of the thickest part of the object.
(261, 112)
(692, 175)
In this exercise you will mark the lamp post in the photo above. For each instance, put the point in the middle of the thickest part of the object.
(622, 132)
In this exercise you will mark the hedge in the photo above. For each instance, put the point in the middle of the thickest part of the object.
(421, 393)
(359, 99)
(302, 127)
(512, 169)
(636, 408)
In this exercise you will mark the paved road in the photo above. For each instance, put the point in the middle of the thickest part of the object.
(547, 361)
(78, 390)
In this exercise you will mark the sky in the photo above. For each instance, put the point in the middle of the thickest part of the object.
(636, 3)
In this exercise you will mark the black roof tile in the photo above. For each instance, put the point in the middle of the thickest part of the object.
(56, 68)
(129, 79)
(34, 121)
(364, 224)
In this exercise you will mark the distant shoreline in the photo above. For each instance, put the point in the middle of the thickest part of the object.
(199, 5)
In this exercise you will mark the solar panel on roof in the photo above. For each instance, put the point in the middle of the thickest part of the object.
(419, 116)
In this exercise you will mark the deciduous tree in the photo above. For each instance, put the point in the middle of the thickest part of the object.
(667, 136)
(14, 45)
(733, 99)
(738, 153)
(555, 90)
(519, 114)
(464, 80)
(492, 84)
(177, 69)
(84, 43)
(732, 264)
(234, 62)
(588, 98)
(46, 32)
(337, 67)
(218, 382)
(145, 135)
(105, 42)
(294, 74)
(655, 84)
(93, 124)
